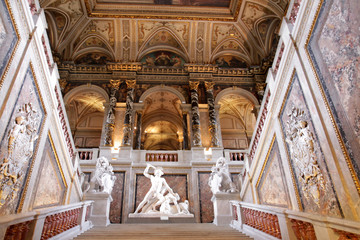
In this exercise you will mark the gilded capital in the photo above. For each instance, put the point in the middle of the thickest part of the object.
(194, 85)
(209, 85)
(131, 83)
(115, 84)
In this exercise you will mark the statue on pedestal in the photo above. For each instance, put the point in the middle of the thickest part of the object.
(220, 179)
(103, 178)
(161, 198)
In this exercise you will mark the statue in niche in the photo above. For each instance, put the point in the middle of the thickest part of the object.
(220, 179)
(301, 144)
(21, 141)
(103, 178)
(161, 198)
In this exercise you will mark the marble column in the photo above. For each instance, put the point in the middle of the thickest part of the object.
(212, 114)
(129, 112)
(137, 138)
(185, 132)
(110, 119)
(195, 118)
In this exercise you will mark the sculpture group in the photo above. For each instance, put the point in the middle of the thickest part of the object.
(161, 198)
(220, 179)
(103, 178)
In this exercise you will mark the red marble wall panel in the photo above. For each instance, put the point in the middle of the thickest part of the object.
(118, 195)
(205, 194)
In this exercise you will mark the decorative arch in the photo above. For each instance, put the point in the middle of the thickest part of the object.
(84, 88)
(217, 50)
(161, 88)
(78, 51)
(238, 91)
(52, 24)
(267, 36)
(181, 51)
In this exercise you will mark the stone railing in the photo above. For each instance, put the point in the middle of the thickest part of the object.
(268, 222)
(235, 155)
(161, 157)
(64, 222)
(88, 153)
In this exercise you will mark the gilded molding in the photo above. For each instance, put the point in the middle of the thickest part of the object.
(194, 85)
(16, 45)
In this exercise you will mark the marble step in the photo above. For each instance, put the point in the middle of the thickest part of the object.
(197, 231)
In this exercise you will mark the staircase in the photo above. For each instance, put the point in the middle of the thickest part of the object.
(197, 231)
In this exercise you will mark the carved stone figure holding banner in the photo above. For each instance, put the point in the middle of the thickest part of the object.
(220, 180)
(103, 177)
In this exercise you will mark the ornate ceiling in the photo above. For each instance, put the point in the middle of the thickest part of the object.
(240, 32)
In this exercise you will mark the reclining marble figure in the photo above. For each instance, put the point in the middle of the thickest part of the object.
(161, 198)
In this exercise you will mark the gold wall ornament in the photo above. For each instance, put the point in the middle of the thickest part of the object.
(194, 85)
(115, 83)
(131, 83)
(209, 85)
(301, 144)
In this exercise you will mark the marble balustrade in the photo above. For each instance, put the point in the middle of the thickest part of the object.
(61, 222)
(268, 222)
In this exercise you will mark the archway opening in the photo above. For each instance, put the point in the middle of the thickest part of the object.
(237, 121)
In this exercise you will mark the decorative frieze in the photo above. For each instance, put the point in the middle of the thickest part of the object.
(64, 127)
(259, 128)
(294, 11)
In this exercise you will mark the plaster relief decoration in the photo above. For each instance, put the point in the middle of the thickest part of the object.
(230, 38)
(18, 144)
(8, 39)
(161, 199)
(148, 28)
(307, 159)
(271, 186)
(333, 49)
(51, 184)
(220, 178)
(103, 178)
(162, 59)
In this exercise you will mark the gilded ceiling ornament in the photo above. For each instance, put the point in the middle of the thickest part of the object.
(194, 85)
(115, 83)
(209, 85)
(131, 83)
(301, 144)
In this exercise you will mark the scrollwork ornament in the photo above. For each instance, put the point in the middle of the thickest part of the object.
(301, 144)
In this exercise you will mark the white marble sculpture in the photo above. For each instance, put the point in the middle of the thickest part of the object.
(220, 179)
(103, 178)
(161, 198)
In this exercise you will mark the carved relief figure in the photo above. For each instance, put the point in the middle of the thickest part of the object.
(220, 179)
(160, 195)
(301, 143)
(21, 139)
(103, 178)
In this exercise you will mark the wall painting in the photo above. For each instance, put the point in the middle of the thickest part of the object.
(50, 185)
(333, 49)
(271, 186)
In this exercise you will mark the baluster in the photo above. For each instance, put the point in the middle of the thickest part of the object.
(91, 155)
(171, 156)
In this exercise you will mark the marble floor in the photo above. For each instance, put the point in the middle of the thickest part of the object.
(197, 231)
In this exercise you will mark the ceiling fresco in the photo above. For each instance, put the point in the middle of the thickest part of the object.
(79, 35)
(207, 3)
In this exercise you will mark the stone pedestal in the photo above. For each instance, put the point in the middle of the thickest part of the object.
(101, 208)
(198, 154)
(125, 153)
(222, 207)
